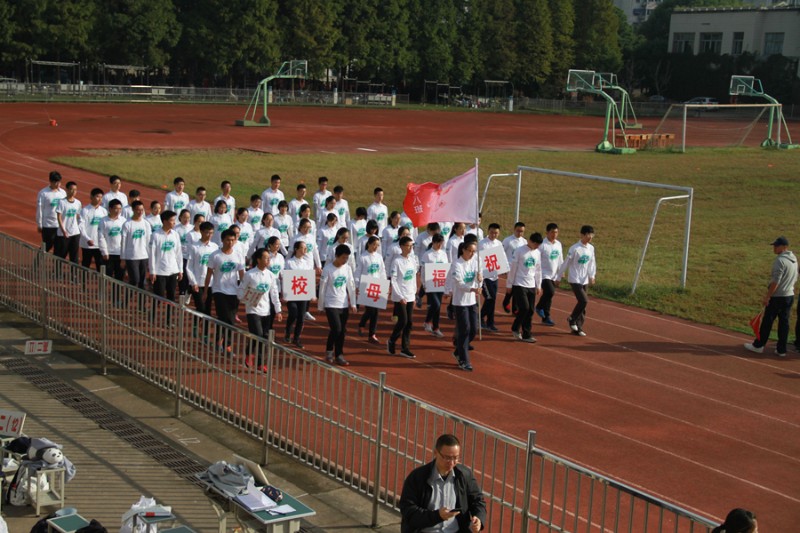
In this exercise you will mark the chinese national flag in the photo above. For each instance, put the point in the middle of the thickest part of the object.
(755, 323)
(455, 200)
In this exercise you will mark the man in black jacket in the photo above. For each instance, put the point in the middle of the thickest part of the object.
(442, 496)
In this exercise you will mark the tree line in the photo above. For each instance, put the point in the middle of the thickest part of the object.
(400, 43)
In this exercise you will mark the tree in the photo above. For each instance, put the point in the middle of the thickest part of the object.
(434, 34)
(7, 29)
(392, 55)
(534, 43)
(499, 39)
(563, 26)
(466, 53)
(137, 32)
(357, 20)
(310, 32)
(596, 35)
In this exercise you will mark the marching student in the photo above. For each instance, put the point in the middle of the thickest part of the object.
(225, 196)
(320, 197)
(305, 212)
(358, 226)
(341, 207)
(403, 276)
(284, 223)
(582, 268)
(135, 240)
(423, 241)
(297, 202)
(510, 244)
(490, 282)
(552, 257)
(446, 228)
(260, 316)
(165, 261)
(272, 195)
(342, 237)
(433, 255)
(396, 251)
(371, 230)
(109, 240)
(245, 228)
(91, 216)
(455, 240)
(304, 234)
(389, 234)
(115, 194)
(127, 210)
(406, 222)
(225, 271)
(47, 201)
(327, 209)
(525, 278)
(337, 290)
(264, 233)
(327, 237)
(465, 275)
(176, 200)
(68, 214)
(276, 259)
(298, 309)
(377, 210)
(254, 212)
(154, 218)
(221, 219)
(370, 265)
(188, 233)
(197, 267)
(199, 206)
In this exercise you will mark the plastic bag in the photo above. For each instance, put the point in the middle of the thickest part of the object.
(128, 517)
(3, 526)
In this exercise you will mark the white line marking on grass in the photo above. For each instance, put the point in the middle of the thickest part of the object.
(27, 123)
(366, 149)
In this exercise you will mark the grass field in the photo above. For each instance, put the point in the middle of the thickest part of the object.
(744, 198)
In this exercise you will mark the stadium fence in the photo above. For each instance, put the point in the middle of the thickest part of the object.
(358, 431)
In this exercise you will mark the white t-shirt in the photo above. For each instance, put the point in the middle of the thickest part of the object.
(199, 208)
(109, 235)
(230, 201)
(226, 268)
(552, 257)
(221, 223)
(294, 209)
(175, 201)
(70, 216)
(270, 199)
(263, 281)
(336, 287)
(254, 216)
(404, 278)
(379, 213)
(119, 195)
(165, 255)
(91, 217)
(370, 265)
(463, 278)
(135, 239)
(526, 268)
(197, 265)
(46, 203)
(155, 222)
(581, 263)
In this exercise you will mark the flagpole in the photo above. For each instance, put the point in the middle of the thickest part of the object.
(478, 247)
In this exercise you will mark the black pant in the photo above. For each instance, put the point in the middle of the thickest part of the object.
(68, 247)
(136, 269)
(227, 305)
(579, 311)
(489, 300)
(183, 284)
(114, 267)
(370, 315)
(466, 329)
(337, 325)
(259, 326)
(524, 300)
(779, 307)
(202, 305)
(165, 287)
(49, 238)
(434, 309)
(89, 254)
(296, 318)
(548, 291)
(402, 329)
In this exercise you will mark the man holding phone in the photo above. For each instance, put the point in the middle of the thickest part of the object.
(442, 496)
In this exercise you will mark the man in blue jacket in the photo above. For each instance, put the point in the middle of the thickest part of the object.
(442, 496)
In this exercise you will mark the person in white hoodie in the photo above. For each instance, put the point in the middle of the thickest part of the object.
(582, 268)
(552, 257)
(68, 214)
(404, 288)
(46, 203)
(466, 280)
(165, 259)
(135, 240)
(337, 297)
(259, 316)
(370, 265)
(109, 236)
(525, 278)
(91, 216)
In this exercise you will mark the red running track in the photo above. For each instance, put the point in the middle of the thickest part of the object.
(672, 407)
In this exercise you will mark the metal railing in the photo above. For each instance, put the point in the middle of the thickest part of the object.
(360, 432)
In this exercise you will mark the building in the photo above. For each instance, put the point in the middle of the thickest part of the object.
(762, 31)
(637, 11)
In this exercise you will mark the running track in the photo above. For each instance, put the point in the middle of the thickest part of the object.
(675, 408)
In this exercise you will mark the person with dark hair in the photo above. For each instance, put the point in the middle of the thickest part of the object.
(304, 212)
(199, 206)
(341, 207)
(127, 210)
(254, 212)
(260, 314)
(189, 233)
(433, 255)
(371, 230)
(738, 521)
(403, 276)
(336, 290)
(68, 214)
(245, 228)
(226, 196)
(135, 240)
(582, 268)
(109, 240)
(297, 202)
(342, 237)
(525, 278)
(90, 218)
(264, 233)
(358, 226)
(490, 282)
(154, 218)
(552, 257)
(197, 268)
(326, 237)
(46, 203)
(320, 197)
(442, 495)
(284, 223)
(115, 182)
(778, 299)
(221, 219)
(272, 195)
(377, 210)
(465, 281)
(389, 235)
(226, 269)
(298, 309)
(176, 200)
(510, 244)
(370, 265)
(165, 259)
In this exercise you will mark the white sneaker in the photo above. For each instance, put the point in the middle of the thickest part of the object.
(754, 349)
(780, 354)
(309, 316)
(517, 335)
(437, 333)
(329, 356)
(428, 327)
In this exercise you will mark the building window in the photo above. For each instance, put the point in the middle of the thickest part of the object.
(773, 43)
(711, 43)
(682, 43)
(738, 43)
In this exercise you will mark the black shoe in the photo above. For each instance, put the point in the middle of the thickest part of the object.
(465, 366)
(298, 344)
(471, 347)
(390, 348)
(287, 339)
(405, 352)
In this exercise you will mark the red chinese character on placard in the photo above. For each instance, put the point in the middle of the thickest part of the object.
(439, 277)
(491, 262)
(374, 292)
(3, 423)
(299, 285)
(15, 425)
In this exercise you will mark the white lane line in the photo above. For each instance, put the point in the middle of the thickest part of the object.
(366, 149)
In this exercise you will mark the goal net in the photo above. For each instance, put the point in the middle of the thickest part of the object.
(717, 125)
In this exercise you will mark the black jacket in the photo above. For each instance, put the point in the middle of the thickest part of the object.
(417, 493)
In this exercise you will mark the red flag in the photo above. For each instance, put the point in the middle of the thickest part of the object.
(455, 200)
(755, 323)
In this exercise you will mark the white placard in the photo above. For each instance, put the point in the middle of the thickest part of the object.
(493, 261)
(298, 285)
(11, 423)
(38, 347)
(373, 292)
(435, 276)
(252, 296)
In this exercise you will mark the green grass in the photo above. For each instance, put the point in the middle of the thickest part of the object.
(743, 199)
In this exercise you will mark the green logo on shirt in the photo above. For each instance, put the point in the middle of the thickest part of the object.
(227, 267)
(54, 202)
(137, 234)
(223, 226)
(381, 217)
(339, 281)
(554, 254)
(283, 228)
(373, 268)
(178, 206)
(582, 260)
(331, 241)
(408, 275)
(360, 232)
(255, 219)
(469, 276)
(71, 213)
(115, 231)
(243, 237)
(262, 287)
(96, 221)
(204, 259)
(530, 262)
(275, 269)
(167, 246)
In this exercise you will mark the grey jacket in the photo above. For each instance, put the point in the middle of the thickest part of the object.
(784, 274)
